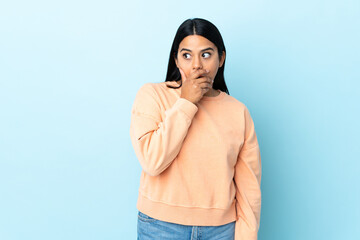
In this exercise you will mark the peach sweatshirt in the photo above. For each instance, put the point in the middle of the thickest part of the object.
(201, 162)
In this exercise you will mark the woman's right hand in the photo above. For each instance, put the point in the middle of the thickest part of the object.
(195, 85)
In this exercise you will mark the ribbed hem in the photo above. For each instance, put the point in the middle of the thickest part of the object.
(186, 215)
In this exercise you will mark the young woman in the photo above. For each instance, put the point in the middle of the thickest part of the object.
(197, 146)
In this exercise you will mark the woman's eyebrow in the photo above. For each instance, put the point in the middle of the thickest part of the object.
(205, 49)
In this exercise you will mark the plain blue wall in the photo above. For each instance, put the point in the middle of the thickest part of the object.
(69, 72)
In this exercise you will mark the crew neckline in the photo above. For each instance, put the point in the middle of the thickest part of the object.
(218, 97)
(204, 98)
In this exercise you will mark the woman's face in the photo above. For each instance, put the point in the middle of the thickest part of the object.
(196, 52)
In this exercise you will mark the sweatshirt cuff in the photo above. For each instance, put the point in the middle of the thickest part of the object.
(242, 235)
(187, 107)
(242, 232)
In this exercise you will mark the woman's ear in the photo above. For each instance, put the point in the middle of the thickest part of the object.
(222, 60)
(176, 62)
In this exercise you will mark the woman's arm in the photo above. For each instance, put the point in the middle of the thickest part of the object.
(247, 179)
(157, 142)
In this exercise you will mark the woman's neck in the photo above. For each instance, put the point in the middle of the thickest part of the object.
(212, 93)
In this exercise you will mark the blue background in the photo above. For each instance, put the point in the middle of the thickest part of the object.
(69, 72)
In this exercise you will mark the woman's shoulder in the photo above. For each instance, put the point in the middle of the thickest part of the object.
(158, 86)
(234, 102)
(155, 93)
(146, 90)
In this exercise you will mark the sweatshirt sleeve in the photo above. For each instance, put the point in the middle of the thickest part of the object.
(247, 179)
(158, 141)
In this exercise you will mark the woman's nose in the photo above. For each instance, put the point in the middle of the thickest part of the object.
(197, 63)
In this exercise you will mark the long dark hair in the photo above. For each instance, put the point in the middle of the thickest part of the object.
(202, 27)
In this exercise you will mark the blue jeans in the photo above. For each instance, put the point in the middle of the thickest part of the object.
(149, 228)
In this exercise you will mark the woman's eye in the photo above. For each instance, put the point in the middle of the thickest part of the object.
(208, 54)
(185, 55)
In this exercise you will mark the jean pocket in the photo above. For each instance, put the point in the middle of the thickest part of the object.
(145, 218)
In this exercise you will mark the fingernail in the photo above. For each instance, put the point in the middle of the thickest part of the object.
(207, 70)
